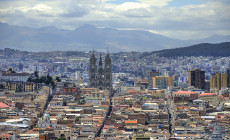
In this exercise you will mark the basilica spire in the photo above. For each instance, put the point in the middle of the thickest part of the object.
(100, 75)
(93, 71)
(100, 78)
(108, 72)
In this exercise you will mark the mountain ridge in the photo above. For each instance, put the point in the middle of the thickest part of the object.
(88, 37)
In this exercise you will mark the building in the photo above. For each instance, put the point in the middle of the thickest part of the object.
(45, 122)
(20, 86)
(218, 81)
(217, 133)
(3, 110)
(150, 106)
(102, 77)
(161, 82)
(196, 78)
(8, 76)
(152, 74)
(212, 98)
(228, 77)
(185, 96)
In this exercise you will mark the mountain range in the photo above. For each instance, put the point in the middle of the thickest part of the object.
(88, 37)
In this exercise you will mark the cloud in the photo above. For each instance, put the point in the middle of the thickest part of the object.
(189, 21)
(155, 2)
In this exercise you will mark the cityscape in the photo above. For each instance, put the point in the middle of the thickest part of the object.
(95, 95)
(114, 70)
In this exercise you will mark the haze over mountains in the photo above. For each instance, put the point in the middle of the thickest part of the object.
(88, 37)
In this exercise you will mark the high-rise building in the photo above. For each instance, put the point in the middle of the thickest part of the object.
(228, 77)
(152, 74)
(218, 81)
(196, 78)
(100, 78)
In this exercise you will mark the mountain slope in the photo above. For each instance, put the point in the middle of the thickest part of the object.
(204, 49)
(86, 38)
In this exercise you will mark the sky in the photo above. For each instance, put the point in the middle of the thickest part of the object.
(180, 19)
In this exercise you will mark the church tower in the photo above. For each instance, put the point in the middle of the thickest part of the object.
(100, 76)
(108, 72)
(93, 71)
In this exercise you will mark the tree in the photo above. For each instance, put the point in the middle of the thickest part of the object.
(82, 102)
(58, 79)
(11, 70)
(29, 79)
(77, 119)
(36, 74)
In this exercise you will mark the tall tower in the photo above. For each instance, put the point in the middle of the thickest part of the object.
(93, 71)
(108, 72)
(100, 75)
(196, 78)
(218, 81)
(228, 77)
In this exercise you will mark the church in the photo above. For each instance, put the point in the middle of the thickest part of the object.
(100, 77)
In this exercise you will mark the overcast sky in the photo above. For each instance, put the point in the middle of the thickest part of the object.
(181, 19)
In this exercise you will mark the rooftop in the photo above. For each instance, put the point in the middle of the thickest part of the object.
(185, 92)
(131, 121)
(2, 105)
(208, 94)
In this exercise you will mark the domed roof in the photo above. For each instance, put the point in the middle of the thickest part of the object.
(46, 116)
(145, 104)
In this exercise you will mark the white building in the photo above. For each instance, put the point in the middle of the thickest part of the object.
(15, 76)
(46, 122)
(150, 106)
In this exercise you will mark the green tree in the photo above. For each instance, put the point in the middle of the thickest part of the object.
(11, 70)
(77, 119)
(82, 102)
(36, 74)
(58, 79)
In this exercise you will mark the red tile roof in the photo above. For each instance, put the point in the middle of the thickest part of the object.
(2, 105)
(5, 135)
(208, 94)
(185, 92)
(131, 121)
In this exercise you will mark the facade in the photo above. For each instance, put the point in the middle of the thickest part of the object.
(196, 78)
(218, 81)
(161, 82)
(152, 74)
(100, 77)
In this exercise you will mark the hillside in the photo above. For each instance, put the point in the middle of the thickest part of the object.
(204, 49)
